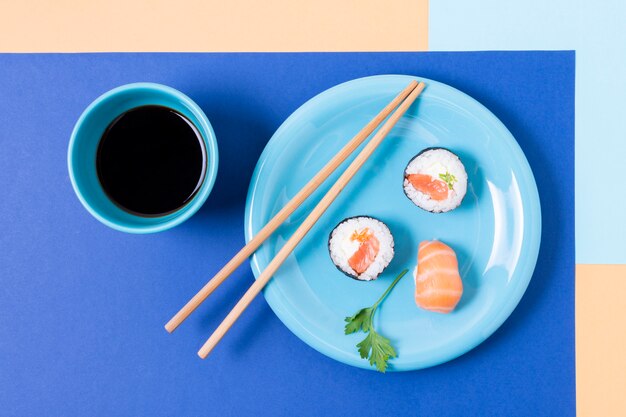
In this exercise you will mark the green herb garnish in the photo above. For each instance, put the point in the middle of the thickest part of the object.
(448, 179)
(375, 346)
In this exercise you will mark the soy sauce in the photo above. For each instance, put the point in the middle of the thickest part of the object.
(151, 161)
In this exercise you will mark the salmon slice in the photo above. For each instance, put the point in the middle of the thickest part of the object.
(438, 285)
(367, 251)
(436, 189)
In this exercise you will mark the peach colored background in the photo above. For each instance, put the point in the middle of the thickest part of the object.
(600, 340)
(204, 25)
(305, 25)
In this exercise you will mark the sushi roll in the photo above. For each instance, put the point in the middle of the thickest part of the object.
(361, 247)
(435, 180)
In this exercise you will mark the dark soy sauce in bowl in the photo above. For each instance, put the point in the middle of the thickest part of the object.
(151, 161)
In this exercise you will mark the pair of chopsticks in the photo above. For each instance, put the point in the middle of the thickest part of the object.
(402, 102)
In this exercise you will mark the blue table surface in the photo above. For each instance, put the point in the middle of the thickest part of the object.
(82, 307)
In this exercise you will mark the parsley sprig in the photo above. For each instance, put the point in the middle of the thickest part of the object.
(375, 346)
(448, 179)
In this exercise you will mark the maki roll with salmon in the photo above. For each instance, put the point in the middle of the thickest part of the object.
(361, 247)
(435, 180)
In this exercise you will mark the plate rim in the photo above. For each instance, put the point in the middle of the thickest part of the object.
(532, 234)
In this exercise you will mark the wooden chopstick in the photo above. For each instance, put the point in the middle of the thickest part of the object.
(308, 223)
(286, 211)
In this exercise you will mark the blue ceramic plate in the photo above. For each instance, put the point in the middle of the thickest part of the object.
(495, 232)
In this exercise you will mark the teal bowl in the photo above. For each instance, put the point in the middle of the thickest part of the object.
(81, 157)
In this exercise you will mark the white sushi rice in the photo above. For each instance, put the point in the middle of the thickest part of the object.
(342, 247)
(434, 162)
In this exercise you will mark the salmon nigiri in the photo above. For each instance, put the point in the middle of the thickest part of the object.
(438, 285)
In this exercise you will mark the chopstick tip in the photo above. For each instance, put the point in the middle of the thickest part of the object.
(169, 327)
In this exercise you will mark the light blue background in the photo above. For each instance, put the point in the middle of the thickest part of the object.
(597, 31)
